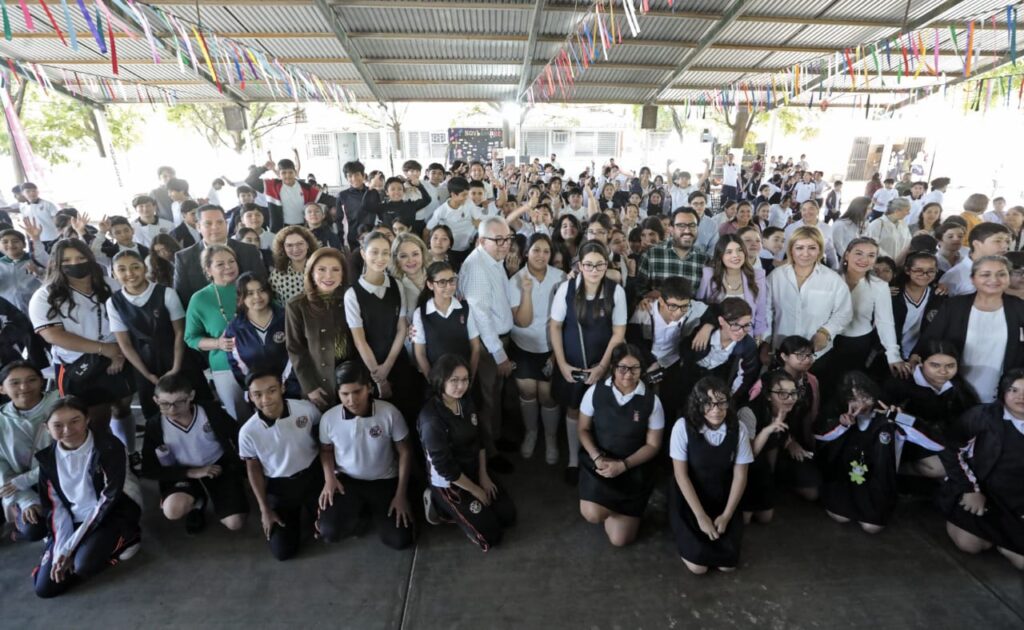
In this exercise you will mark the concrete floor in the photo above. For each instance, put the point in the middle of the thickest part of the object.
(553, 571)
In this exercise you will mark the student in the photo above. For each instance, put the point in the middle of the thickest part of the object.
(569, 233)
(950, 235)
(207, 317)
(316, 334)
(588, 319)
(730, 353)
(928, 220)
(366, 460)
(159, 194)
(396, 206)
(461, 488)
(293, 246)
(281, 453)
(937, 396)
(997, 214)
(42, 212)
(620, 427)
(377, 318)
(356, 205)
(781, 213)
(22, 434)
(187, 231)
(251, 237)
(258, 331)
(987, 239)
(437, 191)
(710, 453)
(122, 238)
(880, 198)
(986, 327)
(834, 202)
(804, 189)
(773, 246)
(147, 224)
(730, 273)
(530, 292)
(69, 312)
(442, 324)
(765, 420)
(916, 301)
(323, 231)
(94, 501)
(21, 269)
(246, 197)
(859, 454)
(890, 231)
(287, 196)
(192, 466)
(252, 218)
(439, 241)
(459, 216)
(177, 190)
(981, 496)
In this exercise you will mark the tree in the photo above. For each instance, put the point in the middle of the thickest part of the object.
(208, 120)
(54, 124)
(740, 120)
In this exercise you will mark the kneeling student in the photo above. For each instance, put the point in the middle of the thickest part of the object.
(190, 448)
(366, 457)
(279, 447)
(95, 501)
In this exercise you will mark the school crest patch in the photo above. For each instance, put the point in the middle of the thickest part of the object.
(279, 336)
(301, 422)
(376, 431)
(473, 419)
(636, 416)
(475, 507)
(885, 437)
(207, 428)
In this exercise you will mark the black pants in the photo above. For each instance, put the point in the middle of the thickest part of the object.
(25, 531)
(97, 551)
(343, 517)
(290, 497)
(483, 524)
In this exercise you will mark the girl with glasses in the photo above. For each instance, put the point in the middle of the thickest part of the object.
(916, 302)
(588, 319)
(710, 453)
(620, 429)
(442, 324)
(766, 420)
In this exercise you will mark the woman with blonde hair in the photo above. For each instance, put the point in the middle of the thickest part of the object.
(409, 258)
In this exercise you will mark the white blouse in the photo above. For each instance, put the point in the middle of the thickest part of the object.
(872, 309)
(822, 302)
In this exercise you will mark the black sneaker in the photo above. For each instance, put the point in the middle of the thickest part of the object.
(572, 476)
(500, 465)
(195, 522)
(135, 463)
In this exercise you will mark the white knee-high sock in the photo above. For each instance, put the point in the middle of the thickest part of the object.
(529, 409)
(573, 439)
(124, 430)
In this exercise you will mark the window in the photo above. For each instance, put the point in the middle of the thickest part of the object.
(607, 143)
(438, 137)
(536, 143)
(560, 138)
(586, 143)
(370, 145)
(659, 140)
(417, 145)
(320, 145)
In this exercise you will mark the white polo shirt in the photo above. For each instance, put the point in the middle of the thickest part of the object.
(363, 444)
(82, 316)
(171, 302)
(534, 338)
(286, 447)
(655, 422)
(145, 233)
(459, 221)
(195, 445)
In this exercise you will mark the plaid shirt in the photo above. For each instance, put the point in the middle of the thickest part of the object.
(662, 261)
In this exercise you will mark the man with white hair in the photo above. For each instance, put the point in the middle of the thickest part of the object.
(890, 231)
(481, 281)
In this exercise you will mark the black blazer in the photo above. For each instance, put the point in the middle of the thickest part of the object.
(951, 320)
(189, 276)
(224, 428)
(183, 236)
(984, 425)
(931, 309)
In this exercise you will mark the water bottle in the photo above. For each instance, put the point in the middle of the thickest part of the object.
(165, 456)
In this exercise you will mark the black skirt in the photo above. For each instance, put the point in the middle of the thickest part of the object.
(626, 494)
(530, 365)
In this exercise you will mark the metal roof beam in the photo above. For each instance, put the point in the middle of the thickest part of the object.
(526, 71)
(1002, 61)
(710, 37)
(343, 38)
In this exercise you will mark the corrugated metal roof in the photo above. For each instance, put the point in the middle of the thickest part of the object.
(426, 19)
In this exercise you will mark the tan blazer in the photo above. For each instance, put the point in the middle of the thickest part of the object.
(309, 338)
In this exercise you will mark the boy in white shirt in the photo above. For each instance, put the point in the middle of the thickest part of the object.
(147, 225)
(880, 200)
(804, 190)
(252, 218)
(458, 214)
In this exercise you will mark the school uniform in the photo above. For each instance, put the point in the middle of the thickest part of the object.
(16, 333)
(326, 236)
(95, 504)
(804, 191)
(801, 421)
(17, 282)
(452, 444)
(619, 424)
(356, 212)
(957, 279)
(106, 249)
(710, 456)
(288, 451)
(937, 411)
(759, 494)
(285, 204)
(911, 318)
(170, 450)
(366, 464)
(146, 232)
(880, 200)
(148, 319)
(22, 434)
(262, 349)
(859, 465)
(584, 340)
(462, 222)
(531, 349)
(44, 213)
(738, 364)
(448, 332)
(988, 459)
(404, 210)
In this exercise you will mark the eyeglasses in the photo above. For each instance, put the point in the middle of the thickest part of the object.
(686, 227)
(923, 272)
(673, 307)
(500, 240)
(173, 404)
(595, 233)
(716, 404)
(446, 282)
(459, 381)
(785, 394)
(623, 370)
(588, 266)
(803, 356)
(738, 327)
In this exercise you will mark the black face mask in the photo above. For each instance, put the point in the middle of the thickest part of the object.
(78, 270)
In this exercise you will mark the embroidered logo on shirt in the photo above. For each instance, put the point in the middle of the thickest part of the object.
(473, 419)
(301, 422)
(279, 336)
(376, 431)
(475, 507)
(207, 428)
(885, 437)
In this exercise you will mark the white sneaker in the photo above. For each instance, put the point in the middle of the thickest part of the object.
(551, 451)
(130, 551)
(529, 443)
(428, 508)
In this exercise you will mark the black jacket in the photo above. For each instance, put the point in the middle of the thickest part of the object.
(451, 443)
(984, 426)
(931, 309)
(744, 361)
(183, 236)
(359, 206)
(950, 324)
(15, 332)
(224, 428)
(938, 412)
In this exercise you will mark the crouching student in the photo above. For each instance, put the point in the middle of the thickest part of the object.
(366, 457)
(22, 434)
(729, 354)
(860, 454)
(461, 489)
(281, 452)
(710, 453)
(190, 448)
(94, 501)
(620, 429)
(983, 497)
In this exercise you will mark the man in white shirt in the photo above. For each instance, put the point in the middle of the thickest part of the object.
(890, 231)
(880, 200)
(147, 225)
(281, 452)
(730, 180)
(986, 239)
(995, 215)
(804, 189)
(41, 211)
(917, 202)
(480, 280)
(366, 460)
(938, 192)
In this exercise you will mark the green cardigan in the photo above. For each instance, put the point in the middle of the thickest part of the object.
(205, 319)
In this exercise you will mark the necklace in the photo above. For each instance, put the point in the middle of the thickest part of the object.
(731, 289)
(220, 304)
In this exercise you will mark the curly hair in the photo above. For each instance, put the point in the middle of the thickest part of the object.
(700, 398)
(281, 260)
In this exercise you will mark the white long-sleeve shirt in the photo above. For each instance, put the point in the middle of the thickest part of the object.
(43, 213)
(826, 233)
(892, 237)
(872, 309)
(822, 302)
(882, 197)
(482, 283)
(844, 231)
